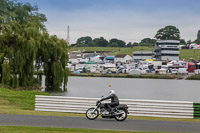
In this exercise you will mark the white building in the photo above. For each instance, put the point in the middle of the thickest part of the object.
(167, 50)
(142, 55)
(164, 50)
(124, 58)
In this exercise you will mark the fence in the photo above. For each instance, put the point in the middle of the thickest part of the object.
(153, 108)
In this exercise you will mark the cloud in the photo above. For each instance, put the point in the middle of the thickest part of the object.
(128, 20)
(128, 25)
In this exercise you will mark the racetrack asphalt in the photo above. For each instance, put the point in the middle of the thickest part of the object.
(99, 123)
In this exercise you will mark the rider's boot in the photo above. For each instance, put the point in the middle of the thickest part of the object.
(112, 112)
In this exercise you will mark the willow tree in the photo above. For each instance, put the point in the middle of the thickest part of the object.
(6, 73)
(23, 41)
(21, 28)
(53, 55)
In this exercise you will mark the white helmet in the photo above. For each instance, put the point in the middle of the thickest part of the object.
(111, 92)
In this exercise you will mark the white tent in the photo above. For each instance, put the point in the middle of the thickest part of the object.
(134, 72)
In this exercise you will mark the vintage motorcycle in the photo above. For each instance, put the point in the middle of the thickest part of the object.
(120, 112)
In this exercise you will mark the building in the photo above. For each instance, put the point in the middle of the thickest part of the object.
(142, 55)
(75, 54)
(124, 58)
(109, 59)
(166, 50)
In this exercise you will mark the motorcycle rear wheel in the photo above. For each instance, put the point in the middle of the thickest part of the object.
(92, 114)
(122, 116)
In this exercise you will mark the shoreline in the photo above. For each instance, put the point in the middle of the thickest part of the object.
(145, 76)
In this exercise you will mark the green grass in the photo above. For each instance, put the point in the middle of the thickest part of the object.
(197, 110)
(194, 77)
(184, 53)
(146, 76)
(21, 99)
(190, 53)
(22, 102)
(23, 129)
(113, 50)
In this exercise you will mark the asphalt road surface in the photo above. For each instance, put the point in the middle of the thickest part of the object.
(110, 124)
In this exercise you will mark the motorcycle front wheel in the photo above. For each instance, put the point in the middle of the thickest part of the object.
(92, 114)
(121, 115)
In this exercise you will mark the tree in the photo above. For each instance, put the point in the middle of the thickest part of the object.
(198, 38)
(135, 44)
(198, 35)
(119, 43)
(189, 42)
(54, 56)
(21, 28)
(22, 36)
(113, 44)
(6, 73)
(183, 42)
(84, 41)
(148, 42)
(100, 42)
(168, 33)
(129, 44)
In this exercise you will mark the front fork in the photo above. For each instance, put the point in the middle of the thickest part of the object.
(127, 111)
(95, 109)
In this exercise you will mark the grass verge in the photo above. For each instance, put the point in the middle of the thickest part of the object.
(22, 102)
(145, 76)
(21, 99)
(22, 129)
(113, 50)
(186, 54)
(194, 77)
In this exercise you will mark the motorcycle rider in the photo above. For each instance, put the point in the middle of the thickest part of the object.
(114, 101)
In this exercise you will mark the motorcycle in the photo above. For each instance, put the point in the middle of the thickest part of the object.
(120, 112)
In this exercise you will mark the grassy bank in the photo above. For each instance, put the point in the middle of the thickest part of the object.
(113, 50)
(146, 76)
(22, 102)
(194, 77)
(190, 53)
(184, 53)
(21, 99)
(11, 129)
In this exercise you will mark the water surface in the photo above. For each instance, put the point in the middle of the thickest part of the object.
(130, 88)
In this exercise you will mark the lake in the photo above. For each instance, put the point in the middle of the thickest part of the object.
(131, 88)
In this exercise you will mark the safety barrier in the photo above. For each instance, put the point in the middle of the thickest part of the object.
(197, 110)
(152, 108)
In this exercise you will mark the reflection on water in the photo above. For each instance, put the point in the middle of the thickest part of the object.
(129, 88)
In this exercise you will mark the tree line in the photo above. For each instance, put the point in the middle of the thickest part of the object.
(167, 33)
(26, 47)
(102, 42)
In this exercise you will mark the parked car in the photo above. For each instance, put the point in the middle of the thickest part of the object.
(174, 71)
(80, 70)
(197, 72)
(163, 71)
(134, 72)
(182, 71)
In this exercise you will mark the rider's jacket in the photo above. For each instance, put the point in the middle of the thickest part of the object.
(113, 97)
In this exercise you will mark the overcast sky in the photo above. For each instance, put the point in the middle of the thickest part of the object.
(128, 20)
